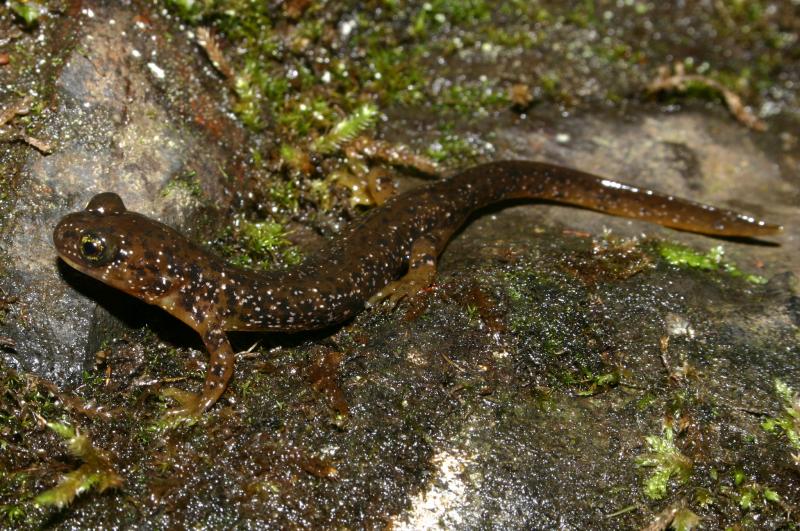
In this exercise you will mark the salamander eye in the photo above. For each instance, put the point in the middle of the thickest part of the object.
(93, 247)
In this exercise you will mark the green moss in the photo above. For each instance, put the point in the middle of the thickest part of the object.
(481, 97)
(754, 496)
(549, 81)
(297, 74)
(681, 255)
(667, 463)
(703, 497)
(745, 10)
(306, 116)
(96, 471)
(187, 183)
(260, 244)
(188, 10)
(789, 422)
(12, 514)
(388, 71)
(295, 157)
(594, 384)
(435, 14)
(15, 390)
(285, 195)
(396, 74)
(27, 11)
(646, 401)
(583, 15)
(511, 38)
(254, 86)
(346, 130)
(92, 379)
(452, 149)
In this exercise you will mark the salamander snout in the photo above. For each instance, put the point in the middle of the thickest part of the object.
(83, 246)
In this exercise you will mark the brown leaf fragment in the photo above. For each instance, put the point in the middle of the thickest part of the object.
(19, 108)
(294, 9)
(323, 377)
(208, 41)
(318, 467)
(662, 520)
(41, 145)
(520, 95)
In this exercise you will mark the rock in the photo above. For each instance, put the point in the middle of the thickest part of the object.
(129, 112)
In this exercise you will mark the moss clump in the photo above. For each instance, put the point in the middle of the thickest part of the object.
(253, 85)
(451, 148)
(753, 495)
(28, 12)
(789, 422)
(434, 15)
(681, 255)
(480, 97)
(346, 130)
(260, 244)
(186, 183)
(595, 384)
(96, 472)
(284, 194)
(25, 450)
(666, 461)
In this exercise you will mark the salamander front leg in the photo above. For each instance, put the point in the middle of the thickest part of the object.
(220, 366)
(420, 275)
(380, 185)
(220, 370)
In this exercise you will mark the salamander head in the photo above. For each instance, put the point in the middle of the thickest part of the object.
(123, 249)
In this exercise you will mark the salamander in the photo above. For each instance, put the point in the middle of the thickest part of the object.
(154, 262)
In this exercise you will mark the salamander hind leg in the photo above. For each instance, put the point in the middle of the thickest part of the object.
(220, 370)
(420, 274)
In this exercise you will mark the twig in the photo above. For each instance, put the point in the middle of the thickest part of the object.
(8, 343)
(41, 145)
(396, 154)
(679, 81)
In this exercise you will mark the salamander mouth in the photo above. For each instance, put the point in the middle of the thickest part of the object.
(65, 233)
(73, 264)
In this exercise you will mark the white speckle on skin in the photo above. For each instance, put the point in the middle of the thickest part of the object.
(156, 70)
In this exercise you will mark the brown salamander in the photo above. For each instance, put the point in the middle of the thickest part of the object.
(155, 263)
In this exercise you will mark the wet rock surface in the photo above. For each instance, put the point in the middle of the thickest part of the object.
(565, 370)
